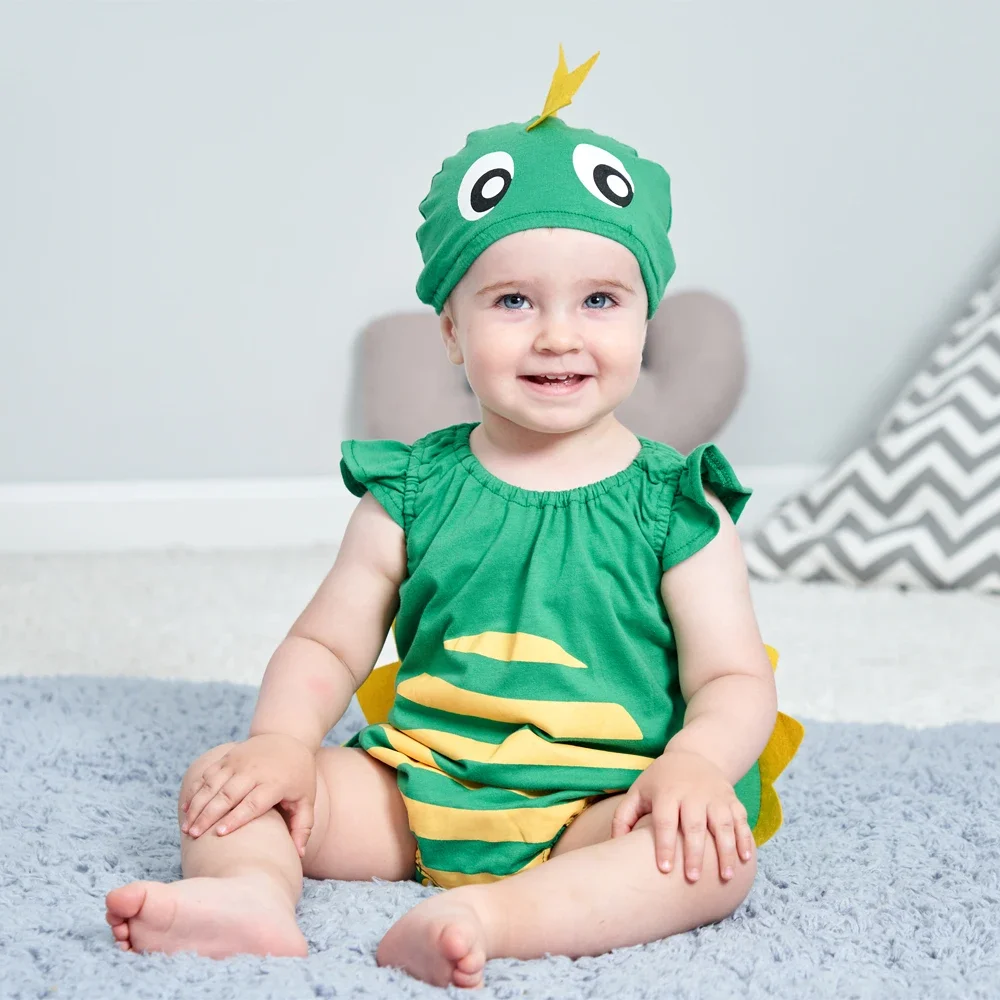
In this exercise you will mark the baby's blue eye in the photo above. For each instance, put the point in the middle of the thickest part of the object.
(605, 301)
(512, 295)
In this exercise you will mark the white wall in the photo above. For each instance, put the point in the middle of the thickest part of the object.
(202, 204)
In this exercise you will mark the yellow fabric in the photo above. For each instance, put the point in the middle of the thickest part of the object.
(530, 824)
(581, 720)
(523, 747)
(780, 749)
(419, 754)
(564, 85)
(377, 693)
(508, 646)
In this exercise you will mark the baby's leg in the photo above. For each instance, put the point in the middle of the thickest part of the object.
(592, 895)
(239, 891)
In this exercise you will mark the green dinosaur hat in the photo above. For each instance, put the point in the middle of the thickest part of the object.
(526, 176)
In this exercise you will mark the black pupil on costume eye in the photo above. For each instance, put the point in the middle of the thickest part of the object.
(481, 203)
(601, 174)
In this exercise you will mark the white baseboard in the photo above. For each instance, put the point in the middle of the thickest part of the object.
(235, 513)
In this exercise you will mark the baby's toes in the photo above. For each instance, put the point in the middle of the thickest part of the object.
(473, 962)
(467, 981)
(471, 976)
(456, 943)
(459, 944)
(119, 928)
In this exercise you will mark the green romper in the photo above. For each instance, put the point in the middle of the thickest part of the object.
(538, 668)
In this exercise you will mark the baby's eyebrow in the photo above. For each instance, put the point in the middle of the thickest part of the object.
(613, 282)
(497, 285)
(527, 282)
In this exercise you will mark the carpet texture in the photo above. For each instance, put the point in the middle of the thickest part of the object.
(883, 882)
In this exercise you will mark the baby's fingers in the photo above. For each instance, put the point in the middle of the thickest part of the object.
(720, 822)
(300, 824)
(693, 826)
(203, 791)
(627, 814)
(212, 803)
(665, 832)
(744, 835)
(255, 803)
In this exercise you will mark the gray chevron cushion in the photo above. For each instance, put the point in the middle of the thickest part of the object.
(918, 505)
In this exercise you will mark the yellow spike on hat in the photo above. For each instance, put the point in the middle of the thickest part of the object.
(564, 85)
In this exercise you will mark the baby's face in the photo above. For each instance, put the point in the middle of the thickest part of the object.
(549, 302)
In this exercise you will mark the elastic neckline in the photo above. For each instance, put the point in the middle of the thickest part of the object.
(543, 498)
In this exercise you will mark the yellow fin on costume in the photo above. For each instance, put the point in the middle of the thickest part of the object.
(564, 85)
(378, 691)
(376, 694)
(780, 749)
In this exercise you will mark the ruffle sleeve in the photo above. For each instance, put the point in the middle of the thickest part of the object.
(690, 522)
(379, 468)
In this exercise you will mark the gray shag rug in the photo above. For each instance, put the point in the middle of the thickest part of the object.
(883, 881)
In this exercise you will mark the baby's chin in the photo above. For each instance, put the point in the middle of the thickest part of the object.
(547, 419)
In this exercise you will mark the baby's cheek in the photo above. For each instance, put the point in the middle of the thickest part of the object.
(618, 381)
(487, 367)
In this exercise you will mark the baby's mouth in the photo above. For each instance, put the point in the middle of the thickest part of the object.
(572, 379)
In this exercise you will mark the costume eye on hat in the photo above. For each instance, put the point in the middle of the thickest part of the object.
(603, 175)
(544, 173)
(484, 185)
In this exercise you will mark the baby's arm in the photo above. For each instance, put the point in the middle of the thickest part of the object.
(334, 643)
(728, 686)
(725, 675)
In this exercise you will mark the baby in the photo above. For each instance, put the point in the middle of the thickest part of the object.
(583, 693)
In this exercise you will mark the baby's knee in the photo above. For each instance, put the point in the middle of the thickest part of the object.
(725, 894)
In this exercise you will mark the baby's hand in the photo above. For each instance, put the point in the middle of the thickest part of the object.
(261, 772)
(685, 784)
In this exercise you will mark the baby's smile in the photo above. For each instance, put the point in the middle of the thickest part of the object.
(563, 384)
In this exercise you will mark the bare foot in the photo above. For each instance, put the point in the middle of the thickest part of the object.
(215, 917)
(441, 941)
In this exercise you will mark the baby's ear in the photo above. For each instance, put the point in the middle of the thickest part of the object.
(449, 334)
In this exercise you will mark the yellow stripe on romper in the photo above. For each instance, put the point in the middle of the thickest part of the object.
(498, 826)
(521, 747)
(451, 880)
(402, 743)
(509, 646)
(410, 747)
(394, 758)
(562, 719)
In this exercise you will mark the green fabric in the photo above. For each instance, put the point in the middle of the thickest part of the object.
(694, 522)
(554, 177)
(383, 479)
(748, 792)
(466, 855)
(581, 568)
